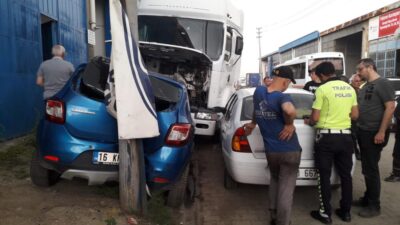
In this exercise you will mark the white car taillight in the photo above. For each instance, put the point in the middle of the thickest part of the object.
(178, 134)
(240, 142)
(55, 111)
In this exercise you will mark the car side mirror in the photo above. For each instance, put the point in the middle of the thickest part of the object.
(239, 46)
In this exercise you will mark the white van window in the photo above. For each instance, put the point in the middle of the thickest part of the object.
(299, 70)
(337, 62)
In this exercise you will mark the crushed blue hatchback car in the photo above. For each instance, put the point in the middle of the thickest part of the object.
(78, 138)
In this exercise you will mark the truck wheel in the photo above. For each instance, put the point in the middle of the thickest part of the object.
(176, 195)
(229, 183)
(40, 176)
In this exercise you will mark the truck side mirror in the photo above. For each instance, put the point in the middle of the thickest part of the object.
(239, 45)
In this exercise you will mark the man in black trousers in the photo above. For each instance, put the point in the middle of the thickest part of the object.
(334, 107)
(376, 105)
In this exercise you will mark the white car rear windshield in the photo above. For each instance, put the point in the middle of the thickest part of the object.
(302, 102)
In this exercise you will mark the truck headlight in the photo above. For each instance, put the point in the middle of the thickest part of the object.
(206, 116)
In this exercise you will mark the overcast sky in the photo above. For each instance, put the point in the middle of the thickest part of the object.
(283, 21)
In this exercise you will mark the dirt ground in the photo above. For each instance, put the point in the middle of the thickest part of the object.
(68, 202)
(74, 202)
(248, 204)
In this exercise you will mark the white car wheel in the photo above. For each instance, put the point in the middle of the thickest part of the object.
(229, 183)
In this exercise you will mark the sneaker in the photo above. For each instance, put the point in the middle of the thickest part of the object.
(361, 202)
(392, 178)
(369, 212)
(323, 218)
(345, 216)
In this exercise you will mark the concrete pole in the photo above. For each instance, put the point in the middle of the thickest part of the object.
(259, 52)
(132, 180)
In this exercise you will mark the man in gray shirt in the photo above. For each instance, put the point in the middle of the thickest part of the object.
(54, 73)
(376, 107)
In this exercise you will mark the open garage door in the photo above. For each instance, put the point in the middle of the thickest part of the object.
(351, 47)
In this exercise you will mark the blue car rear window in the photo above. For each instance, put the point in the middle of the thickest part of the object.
(92, 81)
(164, 90)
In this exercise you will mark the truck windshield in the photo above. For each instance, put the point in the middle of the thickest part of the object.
(205, 36)
(337, 62)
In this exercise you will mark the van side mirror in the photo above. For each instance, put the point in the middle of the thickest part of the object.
(239, 45)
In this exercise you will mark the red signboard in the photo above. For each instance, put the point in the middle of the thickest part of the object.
(389, 22)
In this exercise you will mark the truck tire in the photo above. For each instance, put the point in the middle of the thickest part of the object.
(41, 176)
(176, 195)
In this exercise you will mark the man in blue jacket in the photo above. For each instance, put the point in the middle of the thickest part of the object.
(274, 113)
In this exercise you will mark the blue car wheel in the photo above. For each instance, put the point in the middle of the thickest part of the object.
(41, 176)
(176, 195)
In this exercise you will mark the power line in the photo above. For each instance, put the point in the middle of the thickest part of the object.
(300, 15)
(305, 14)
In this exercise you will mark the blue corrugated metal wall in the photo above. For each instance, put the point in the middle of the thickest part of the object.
(300, 41)
(21, 102)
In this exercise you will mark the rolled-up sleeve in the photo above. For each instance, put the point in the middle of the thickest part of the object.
(39, 72)
(72, 69)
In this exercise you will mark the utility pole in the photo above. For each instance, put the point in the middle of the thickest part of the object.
(259, 50)
(132, 179)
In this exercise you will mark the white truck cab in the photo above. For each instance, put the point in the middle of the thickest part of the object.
(198, 43)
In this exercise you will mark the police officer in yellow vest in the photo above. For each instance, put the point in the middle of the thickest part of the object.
(334, 107)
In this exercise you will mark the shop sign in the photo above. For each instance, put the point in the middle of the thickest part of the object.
(384, 25)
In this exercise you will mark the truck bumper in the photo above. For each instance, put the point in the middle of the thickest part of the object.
(204, 127)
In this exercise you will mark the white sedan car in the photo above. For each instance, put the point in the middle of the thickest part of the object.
(244, 156)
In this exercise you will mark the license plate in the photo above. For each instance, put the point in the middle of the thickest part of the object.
(105, 158)
(307, 174)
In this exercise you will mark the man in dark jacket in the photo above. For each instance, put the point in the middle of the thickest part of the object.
(395, 176)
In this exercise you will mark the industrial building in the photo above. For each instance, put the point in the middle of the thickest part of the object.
(374, 35)
(28, 30)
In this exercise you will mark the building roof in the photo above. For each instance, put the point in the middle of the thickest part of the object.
(361, 18)
(300, 41)
(263, 58)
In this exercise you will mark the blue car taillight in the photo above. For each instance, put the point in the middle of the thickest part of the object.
(160, 180)
(178, 134)
(51, 158)
(55, 111)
